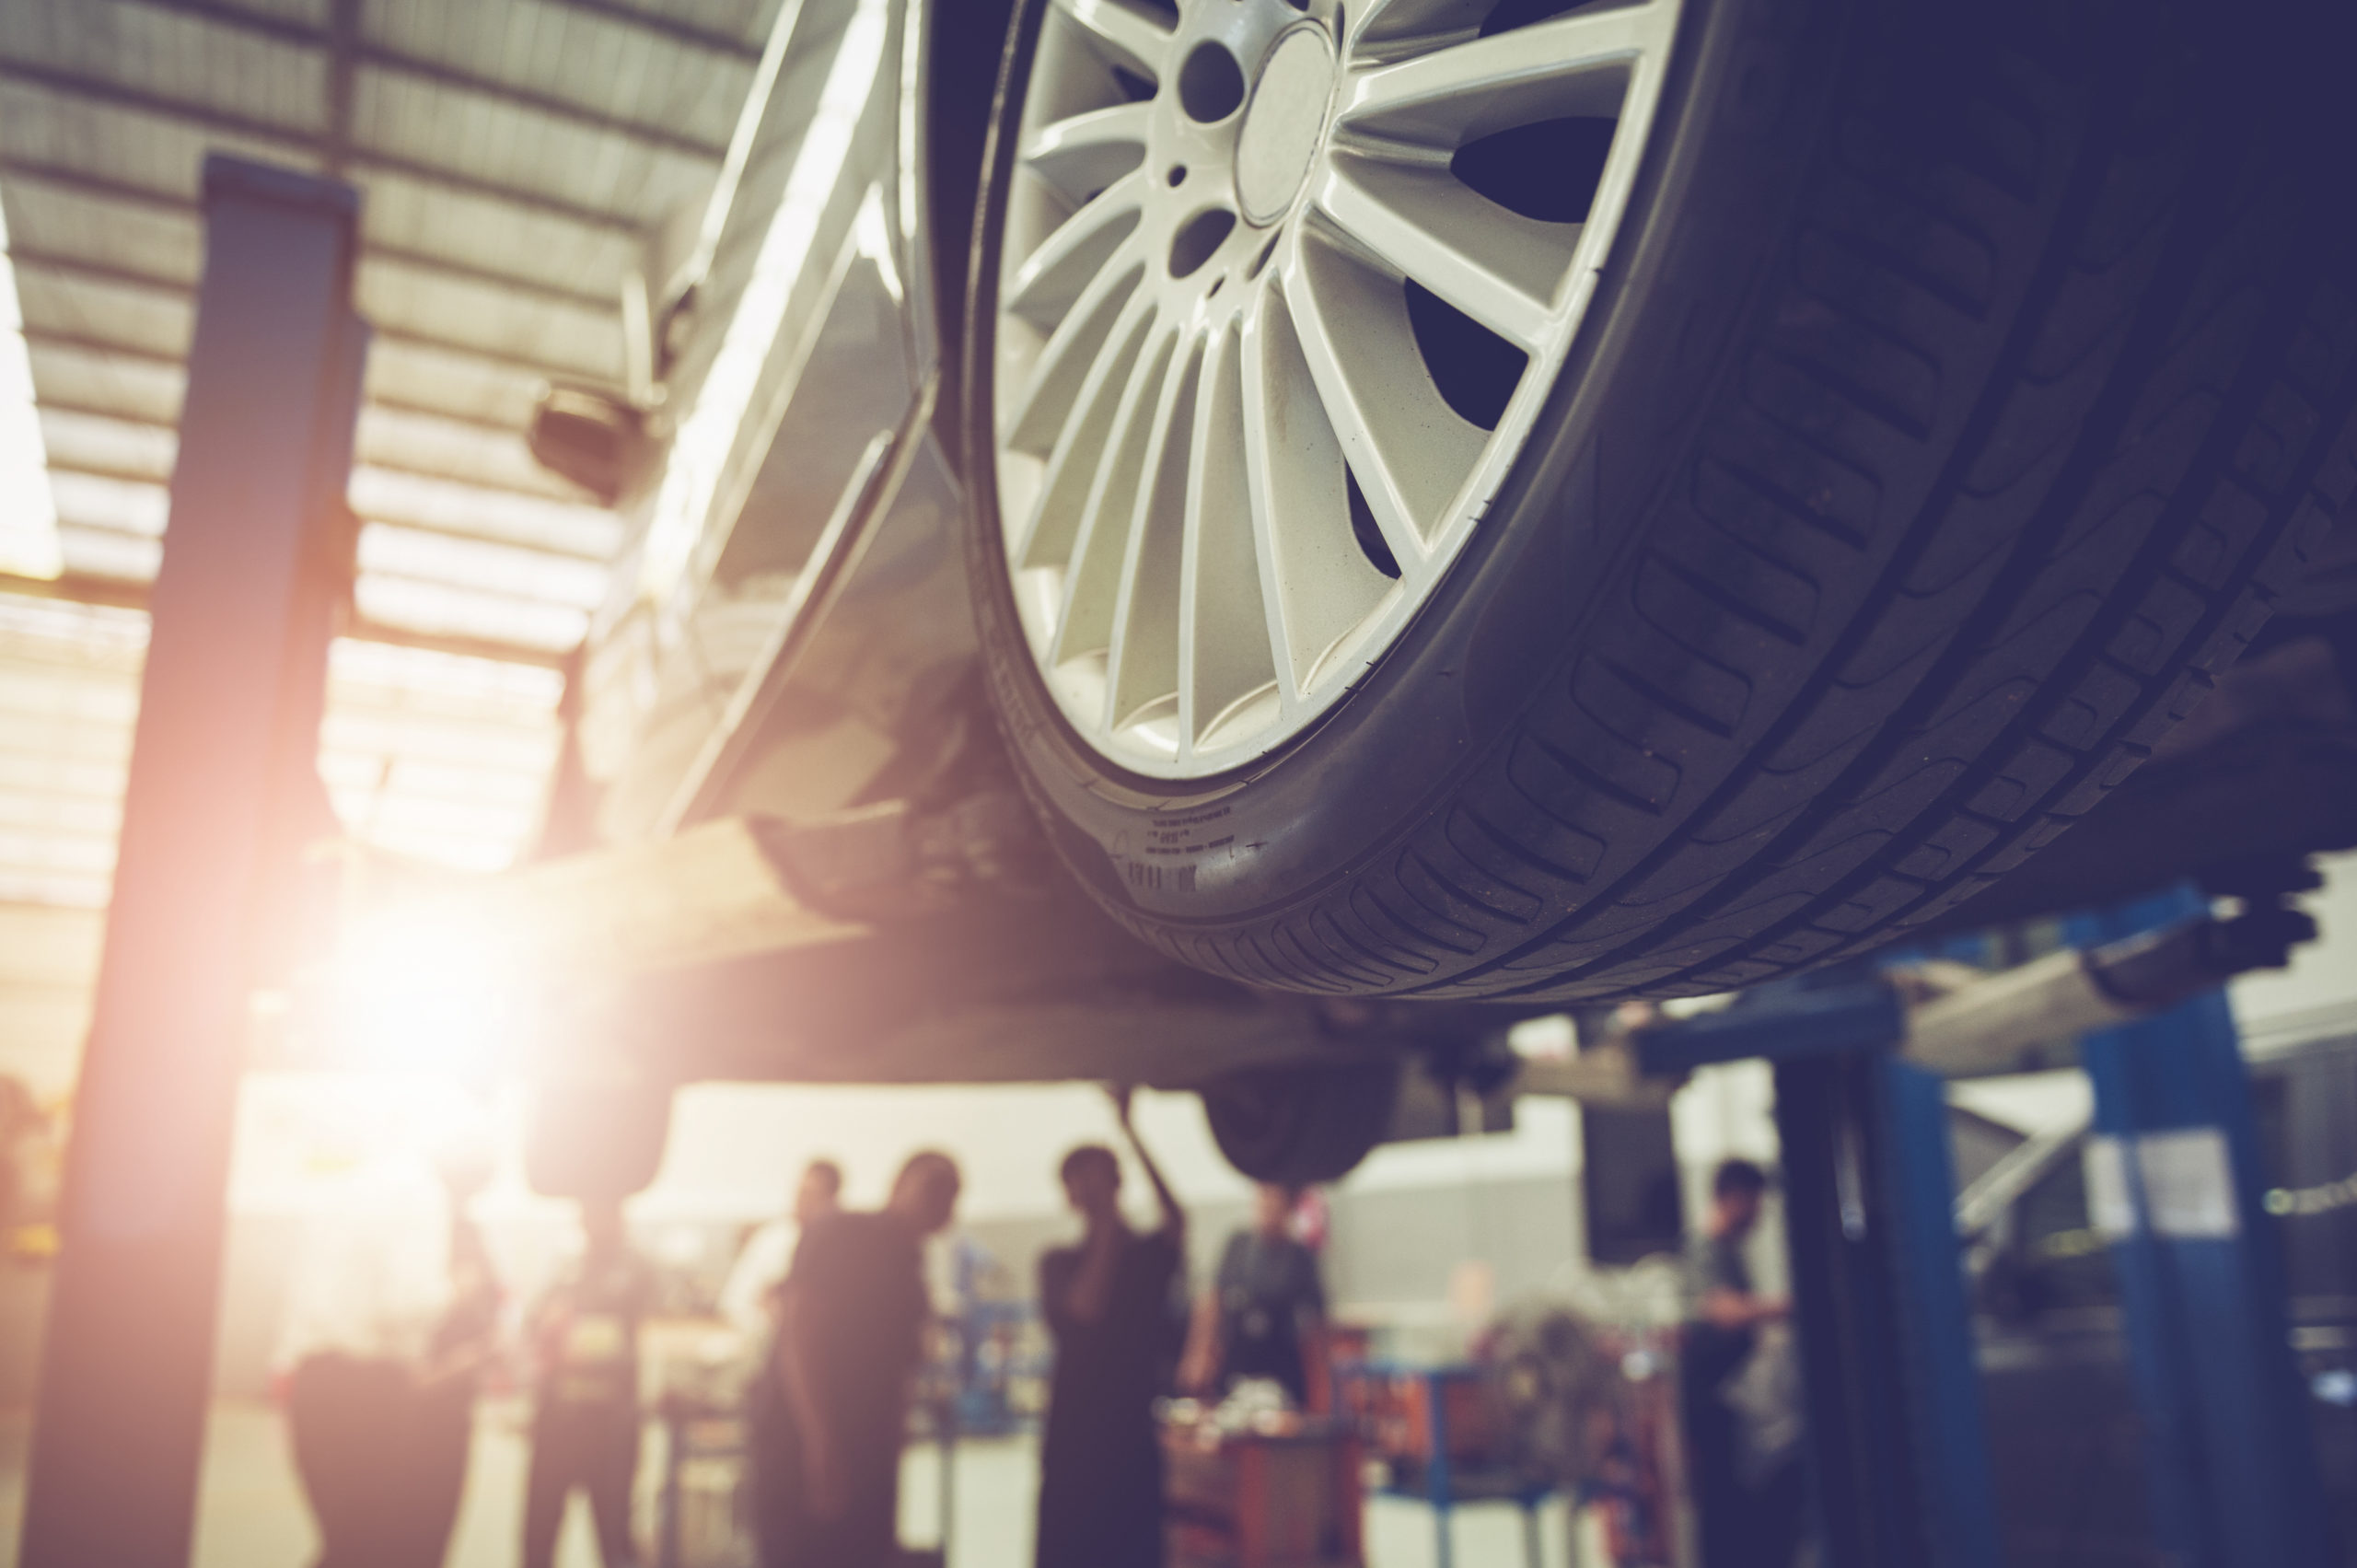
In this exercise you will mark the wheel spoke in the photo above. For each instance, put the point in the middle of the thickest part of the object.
(1142, 655)
(1085, 622)
(1087, 152)
(1049, 532)
(1125, 33)
(1227, 633)
(1573, 64)
(1032, 420)
(1318, 580)
(1497, 266)
(1053, 276)
(1409, 451)
(1373, 23)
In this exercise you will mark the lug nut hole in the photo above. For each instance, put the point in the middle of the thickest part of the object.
(1210, 84)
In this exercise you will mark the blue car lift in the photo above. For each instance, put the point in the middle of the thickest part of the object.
(1898, 1445)
(2229, 1453)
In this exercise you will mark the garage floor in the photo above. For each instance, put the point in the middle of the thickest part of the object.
(253, 1516)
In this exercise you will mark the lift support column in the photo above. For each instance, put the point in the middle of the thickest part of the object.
(1899, 1447)
(1898, 1441)
(2174, 1182)
(223, 770)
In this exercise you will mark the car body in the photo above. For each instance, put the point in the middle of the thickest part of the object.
(789, 634)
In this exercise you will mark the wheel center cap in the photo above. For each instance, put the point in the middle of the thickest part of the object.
(1282, 123)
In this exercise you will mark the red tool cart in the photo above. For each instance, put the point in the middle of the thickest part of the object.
(1284, 1494)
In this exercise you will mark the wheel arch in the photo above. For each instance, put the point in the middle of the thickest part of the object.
(963, 43)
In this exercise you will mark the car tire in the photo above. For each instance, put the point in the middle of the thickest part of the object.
(1959, 390)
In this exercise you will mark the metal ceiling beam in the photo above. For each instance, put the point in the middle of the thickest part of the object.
(710, 40)
(456, 416)
(349, 49)
(75, 588)
(341, 41)
(97, 187)
(53, 337)
(415, 470)
(30, 257)
(545, 370)
(392, 464)
(556, 553)
(119, 594)
(664, 138)
(460, 272)
(407, 337)
(75, 84)
(375, 400)
(678, 32)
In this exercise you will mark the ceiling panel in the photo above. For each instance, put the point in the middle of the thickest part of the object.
(425, 121)
(581, 340)
(180, 58)
(598, 61)
(512, 155)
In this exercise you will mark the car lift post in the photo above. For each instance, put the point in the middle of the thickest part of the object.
(2176, 1184)
(1897, 1443)
(1898, 1440)
(258, 557)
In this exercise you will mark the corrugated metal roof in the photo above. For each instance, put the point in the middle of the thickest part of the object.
(430, 754)
(511, 154)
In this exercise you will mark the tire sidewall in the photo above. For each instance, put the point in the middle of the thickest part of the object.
(1741, 110)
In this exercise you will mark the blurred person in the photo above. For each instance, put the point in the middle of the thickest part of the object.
(1265, 1307)
(1724, 1317)
(751, 1304)
(464, 1343)
(852, 1315)
(1107, 1302)
(749, 1301)
(585, 1412)
(371, 1279)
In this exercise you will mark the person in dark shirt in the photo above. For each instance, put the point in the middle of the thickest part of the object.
(1724, 1317)
(852, 1319)
(464, 1340)
(753, 1302)
(585, 1415)
(1107, 1302)
(1265, 1307)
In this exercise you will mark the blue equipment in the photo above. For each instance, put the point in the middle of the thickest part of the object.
(1898, 1443)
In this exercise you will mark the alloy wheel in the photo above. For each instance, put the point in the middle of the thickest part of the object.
(1283, 287)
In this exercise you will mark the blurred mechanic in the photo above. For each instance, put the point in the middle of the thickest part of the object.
(1725, 1314)
(1264, 1308)
(585, 1415)
(372, 1278)
(853, 1316)
(462, 1344)
(1107, 1302)
(749, 1301)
